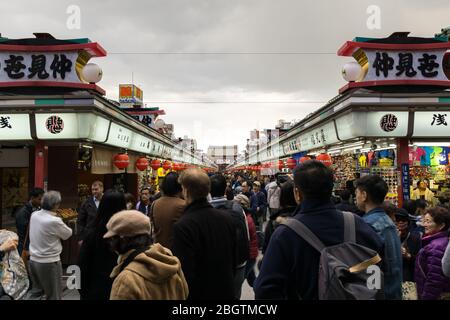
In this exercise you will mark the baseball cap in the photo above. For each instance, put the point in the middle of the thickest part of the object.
(128, 223)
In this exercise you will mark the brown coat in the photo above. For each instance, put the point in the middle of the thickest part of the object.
(166, 211)
(153, 275)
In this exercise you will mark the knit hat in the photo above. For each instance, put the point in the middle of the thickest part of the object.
(242, 200)
(128, 223)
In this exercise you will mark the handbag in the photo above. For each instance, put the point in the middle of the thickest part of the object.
(409, 290)
(13, 273)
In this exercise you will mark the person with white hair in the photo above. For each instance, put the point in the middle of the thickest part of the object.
(46, 232)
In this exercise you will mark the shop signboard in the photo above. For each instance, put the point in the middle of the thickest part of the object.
(432, 124)
(130, 94)
(373, 124)
(57, 65)
(141, 143)
(317, 138)
(14, 127)
(408, 61)
(405, 181)
(52, 126)
(119, 136)
(405, 65)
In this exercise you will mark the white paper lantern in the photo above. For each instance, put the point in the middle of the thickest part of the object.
(92, 73)
(351, 71)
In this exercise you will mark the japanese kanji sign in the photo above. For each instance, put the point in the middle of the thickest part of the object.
(15, 127)
(432, 124)
(405, 65)
(398, 60)
(389, 122)
(24, 66)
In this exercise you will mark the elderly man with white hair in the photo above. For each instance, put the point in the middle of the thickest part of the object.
(46, 232)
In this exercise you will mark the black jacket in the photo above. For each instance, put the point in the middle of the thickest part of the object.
(290, 267)
(96, 262)
(413, 243)
(272, 224)
(86, 217)
(347, 206)
(204, 241)
(23, 216)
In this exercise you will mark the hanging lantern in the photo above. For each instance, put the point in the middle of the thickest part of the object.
(166, 165)
(279, 165)
(141, 164)
(155, 165)
(325, 159)
(121, 161)
(303, 159)
(291, 163)
(175, 166)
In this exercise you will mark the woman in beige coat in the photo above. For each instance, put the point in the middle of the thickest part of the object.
(145, 271)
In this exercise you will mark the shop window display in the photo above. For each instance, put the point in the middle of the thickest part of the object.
(430, 163)
(347, 167)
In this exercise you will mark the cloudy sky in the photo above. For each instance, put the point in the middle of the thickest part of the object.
(220, 68)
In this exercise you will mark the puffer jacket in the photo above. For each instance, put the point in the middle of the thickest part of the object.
(431, 282)
(153, 275)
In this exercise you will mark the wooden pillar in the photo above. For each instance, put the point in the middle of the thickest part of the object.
(40, 165)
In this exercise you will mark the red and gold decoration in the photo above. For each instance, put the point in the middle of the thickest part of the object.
(121, 161)
(155, 165)
(325, 158)
(142, 164)
(166, 165)
(291, 163)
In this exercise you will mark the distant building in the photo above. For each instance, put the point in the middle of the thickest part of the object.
(223, 155)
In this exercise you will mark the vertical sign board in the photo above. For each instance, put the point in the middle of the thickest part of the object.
(405, 182)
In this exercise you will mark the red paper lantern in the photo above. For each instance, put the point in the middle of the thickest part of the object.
(156, 164)
(166, 165)
(291, 163)
(141, 164)
(303, 159)
(325, 159)
(280, 165)
(121, 161)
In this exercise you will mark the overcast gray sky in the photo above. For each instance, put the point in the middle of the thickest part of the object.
(221, 68)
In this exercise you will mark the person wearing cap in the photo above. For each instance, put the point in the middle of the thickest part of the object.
(145, 271)
(411, 244)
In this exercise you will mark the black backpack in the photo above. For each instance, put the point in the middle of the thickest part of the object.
(239, 220)
(343, 267)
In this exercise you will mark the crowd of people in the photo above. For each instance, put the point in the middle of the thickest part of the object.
(200, 237)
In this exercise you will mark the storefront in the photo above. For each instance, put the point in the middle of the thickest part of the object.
(58, 131)
(386, 121)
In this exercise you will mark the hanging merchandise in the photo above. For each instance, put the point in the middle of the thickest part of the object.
(362, 160)
(390, 176)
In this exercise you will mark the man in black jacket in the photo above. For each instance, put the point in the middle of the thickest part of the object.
(290, 265)
(345, 204)
(23, 216)
(88, 210)
(234, 209)
(204, 241)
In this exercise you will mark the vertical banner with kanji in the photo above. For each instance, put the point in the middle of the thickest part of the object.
(405, 182)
